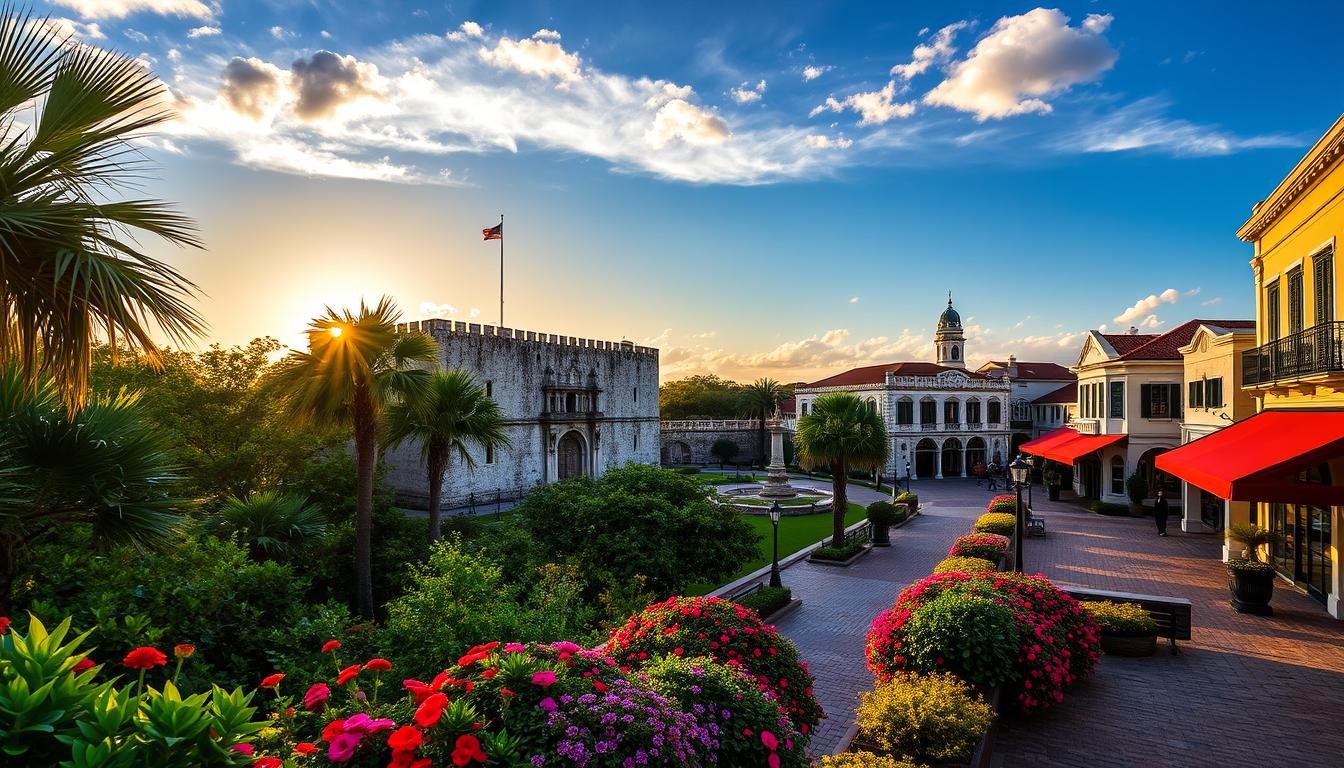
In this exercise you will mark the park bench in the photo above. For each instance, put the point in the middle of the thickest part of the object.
(1172, 614)
(1035, 525)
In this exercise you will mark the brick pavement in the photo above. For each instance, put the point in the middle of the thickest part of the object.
(1269, 690)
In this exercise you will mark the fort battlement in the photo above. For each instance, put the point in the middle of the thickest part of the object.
(452, 327)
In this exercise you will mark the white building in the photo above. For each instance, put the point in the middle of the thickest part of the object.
(1036, 388)
(572, 406)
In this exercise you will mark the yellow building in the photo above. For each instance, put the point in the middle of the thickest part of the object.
(1287, 460)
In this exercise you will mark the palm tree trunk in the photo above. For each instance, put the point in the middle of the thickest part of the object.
(437, 464)
(366, 460)
(839, 503)
(9, 569)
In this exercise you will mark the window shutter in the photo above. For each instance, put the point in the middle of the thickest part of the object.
(1324, 287)
(1146, 400)
(1175, 400)
(1213, 393)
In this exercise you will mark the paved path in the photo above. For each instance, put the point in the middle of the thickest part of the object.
(1268, 690)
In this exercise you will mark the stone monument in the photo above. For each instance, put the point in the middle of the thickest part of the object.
(776, 484)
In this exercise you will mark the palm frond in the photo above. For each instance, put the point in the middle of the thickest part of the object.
(842, 428)
(271, 524)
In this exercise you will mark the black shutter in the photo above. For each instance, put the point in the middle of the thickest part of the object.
(1146, 400)
(1324, 287)
(1175, 400)
(1195, 393)
(1213, 393)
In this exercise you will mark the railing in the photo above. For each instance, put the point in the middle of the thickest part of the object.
(1318, 349)
(1087, 426)
(710, 425)
(929, 426)
(859, 534)
(951, 426)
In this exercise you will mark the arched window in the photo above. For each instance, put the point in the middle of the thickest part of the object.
(994, 409)
(804, 409)
(1117, 475)
(954, 352)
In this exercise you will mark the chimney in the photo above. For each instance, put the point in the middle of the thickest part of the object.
(1012, 367)
(1133, 331)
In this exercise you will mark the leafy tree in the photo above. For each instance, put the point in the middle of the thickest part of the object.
(760, 399)
(71, 267)
(101, 465)
(271, 525)
(356, 365)
(724, 450)
(841, 433)
(700, 397)
(450, 416)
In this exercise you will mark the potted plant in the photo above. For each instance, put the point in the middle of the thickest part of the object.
(1137, 489)
(1250, 579)
(881, 515)
(1126, 629)
(1052, 477)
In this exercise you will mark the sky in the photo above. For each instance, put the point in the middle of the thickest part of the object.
(758, 189)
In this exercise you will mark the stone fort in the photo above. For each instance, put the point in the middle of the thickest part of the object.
(572, 407)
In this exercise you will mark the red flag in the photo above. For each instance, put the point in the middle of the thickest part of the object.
(494, 233)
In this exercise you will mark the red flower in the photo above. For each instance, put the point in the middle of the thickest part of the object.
(330, 646)
(333, 729)
(405, 739)
(4, 625)
(305, 748)
(272, 681)
(466, 749)
(378, 665)
(316, 697)
(83, 665)
(145, 657)
(267, 762)
(348, 674)
(184, 650)
(429, 711)
(244, 749)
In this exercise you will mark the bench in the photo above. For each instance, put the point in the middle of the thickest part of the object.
(1172, 614)
(1035, 525)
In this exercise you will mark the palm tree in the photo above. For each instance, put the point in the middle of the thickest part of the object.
(760, 399)
(453, 414)
(72, 271)
(270, 524)
(103, 466)
(355, 366)
(841, 433)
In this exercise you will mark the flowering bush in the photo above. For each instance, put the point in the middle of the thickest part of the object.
(924, 718)
(986, 546)
(1002, 523)
(1057, 641)
(730, 634)
(963, 564)
(625, 725)
(1121, 619)
(966, 634)
(862, 760)
(1004, 502)
(749, 724)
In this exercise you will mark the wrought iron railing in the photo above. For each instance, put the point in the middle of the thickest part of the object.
(1318, 349)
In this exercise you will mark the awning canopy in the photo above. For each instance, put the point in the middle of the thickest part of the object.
(1260, 458)
(1067, 446)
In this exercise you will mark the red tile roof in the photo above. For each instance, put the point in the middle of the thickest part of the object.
(789, 406)
(1165, 346)
(1027, 371)
(1125, 342)
(1065, 394)
(877, 374)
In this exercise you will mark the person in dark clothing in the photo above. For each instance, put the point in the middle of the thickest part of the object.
(1160, 512)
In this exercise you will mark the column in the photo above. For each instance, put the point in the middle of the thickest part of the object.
(1332, 601)
(1190, 509)
(965, 455)
(938, 462)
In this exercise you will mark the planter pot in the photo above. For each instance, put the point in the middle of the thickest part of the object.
(1129, 645)
(1053, 492)
(1251, 591)
(881, 536)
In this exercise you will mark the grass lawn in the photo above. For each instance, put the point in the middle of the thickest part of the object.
(723, 478)
(795, 533)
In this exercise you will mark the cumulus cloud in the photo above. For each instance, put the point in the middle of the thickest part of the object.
(679, 119)
(468, 29)
(853, 299)
(327, 80)
(936, 51)
(813, 71)
(71, 29)
(251, 86)
(546, 34)
(120, 9)
(530, 56)
(1023, 61)
(429, 310)
(203, 31)
(747, 93)
(818, 141)
(873, 107)
(1144, 126)
(1144, 307)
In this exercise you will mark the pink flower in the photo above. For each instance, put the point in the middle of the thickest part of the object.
(244, 749)
(514, 648)
(547, 704)
(769, 740)
(316, 697)
(342, 747)
(545, 678)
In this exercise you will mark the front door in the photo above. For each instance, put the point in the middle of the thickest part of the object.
(1303, 550)
(569, 456)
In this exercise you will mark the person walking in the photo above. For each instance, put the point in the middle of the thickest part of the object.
(1160, 511)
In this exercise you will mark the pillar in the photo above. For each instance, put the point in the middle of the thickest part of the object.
(1190, 509)
(965, 455)
(938, 462)
(1332, 601)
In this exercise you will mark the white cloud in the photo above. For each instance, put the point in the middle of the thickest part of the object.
(174, 55)
(679, 119)
(251, 86)
(533, 57)
(1144, 126)
(812, 72)
(546, 34)
(1151, 323)
(78, 30)
(468, 29)
(203, 31)
(936, 51)
(854, 300)
(748, 93)
(136, 35)
(429, 310)
(327, 81)
(826, 142)
(1143, 307)
(873, 107)
(474, 312)
(1023, 61)
(1215, 301)
(120, 9)
(280, 33)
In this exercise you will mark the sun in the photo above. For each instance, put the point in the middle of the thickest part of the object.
(335, 330)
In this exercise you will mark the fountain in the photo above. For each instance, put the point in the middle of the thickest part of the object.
(793, 500)
(777, 477)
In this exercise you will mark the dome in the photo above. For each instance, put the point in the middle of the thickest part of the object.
(949, 318)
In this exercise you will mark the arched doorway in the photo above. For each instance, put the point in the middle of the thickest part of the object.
(926, 458)
(952, 457)
(677, 452)
(569, 456)
(975, 453)
(1156, 478)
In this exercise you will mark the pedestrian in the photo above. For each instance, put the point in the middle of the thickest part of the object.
(1160, 511)
(992, 475)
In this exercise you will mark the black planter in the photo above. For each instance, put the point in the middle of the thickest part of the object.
(1251, 590)
(1054, 492)
(881, 535)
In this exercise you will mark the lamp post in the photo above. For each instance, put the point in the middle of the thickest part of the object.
(1018, 469)
(775, 512)
(907, 475)
(1034, 461)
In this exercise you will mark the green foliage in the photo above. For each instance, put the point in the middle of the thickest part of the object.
(963, 564)
(767, 600)
(700, 397)
(1252, 537)
(911, 499)
(51, 714)
(973, 637)
(271, 525)
(1136, 487)
(925, 718)
(838, 554)
(882, 513)
(842, 433)
(635, 522)
(1001, 523)
(1251, 566)
(687, 470)
(1123, 619)
(862, 760)
(724, 450)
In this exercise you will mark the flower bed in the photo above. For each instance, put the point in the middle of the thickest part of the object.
(838, 554)
(1121, 619)
(986, 546)
(862, 760)
(1004, 503)
(923, 718)
(963, 564)
(767, 600)
(1002, 523)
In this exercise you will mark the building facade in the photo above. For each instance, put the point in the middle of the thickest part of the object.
(572, 407)
(1031, 383)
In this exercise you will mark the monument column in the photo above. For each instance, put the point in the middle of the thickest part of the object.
(776, 484)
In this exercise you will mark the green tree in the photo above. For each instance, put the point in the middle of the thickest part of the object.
(724, 450)
(101, 465)
(71, 266)
(271, 525)
(760, 398)
(448, 418)
(841, 433)
(700, 397)
(356, 365)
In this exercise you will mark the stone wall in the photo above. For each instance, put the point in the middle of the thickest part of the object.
(689, 442)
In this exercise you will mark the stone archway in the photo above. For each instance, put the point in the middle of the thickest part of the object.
(926, 458)
(570, 456)
(975, 453)
(677, 452)
(952, 457)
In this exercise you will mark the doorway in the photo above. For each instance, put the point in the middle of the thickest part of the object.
(569, 456)
(1302, 552)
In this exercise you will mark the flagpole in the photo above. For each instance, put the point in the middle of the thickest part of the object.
(501, 270)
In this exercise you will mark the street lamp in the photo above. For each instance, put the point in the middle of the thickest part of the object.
(907, 475)
(1018, 470)
(1034, 462)
(775, 512)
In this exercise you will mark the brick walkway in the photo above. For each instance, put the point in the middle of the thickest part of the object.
(1267, 690)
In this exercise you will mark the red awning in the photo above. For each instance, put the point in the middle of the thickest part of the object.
(1260, 458)
(1038, 446)
(1067, 446)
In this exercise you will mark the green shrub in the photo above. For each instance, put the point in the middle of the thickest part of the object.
(971, 636)
(687, 470)
(924, 718)
(838, 554)
(963, 564)
(1006, 503)
(1136, 487)
(882, 513)
(862, 760)
(902, 512)
(1123, 619)
(767, 600)
(1107, 508)
(986, 546)
(909, 498)
(1002, 523)
(1252, 566)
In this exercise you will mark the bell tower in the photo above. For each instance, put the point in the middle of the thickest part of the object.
(949, 342)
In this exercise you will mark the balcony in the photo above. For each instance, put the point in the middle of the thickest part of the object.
(1314, 351)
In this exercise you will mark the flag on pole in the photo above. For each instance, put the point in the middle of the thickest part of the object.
(494, 233)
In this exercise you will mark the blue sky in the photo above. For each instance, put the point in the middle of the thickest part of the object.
(756, 188)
